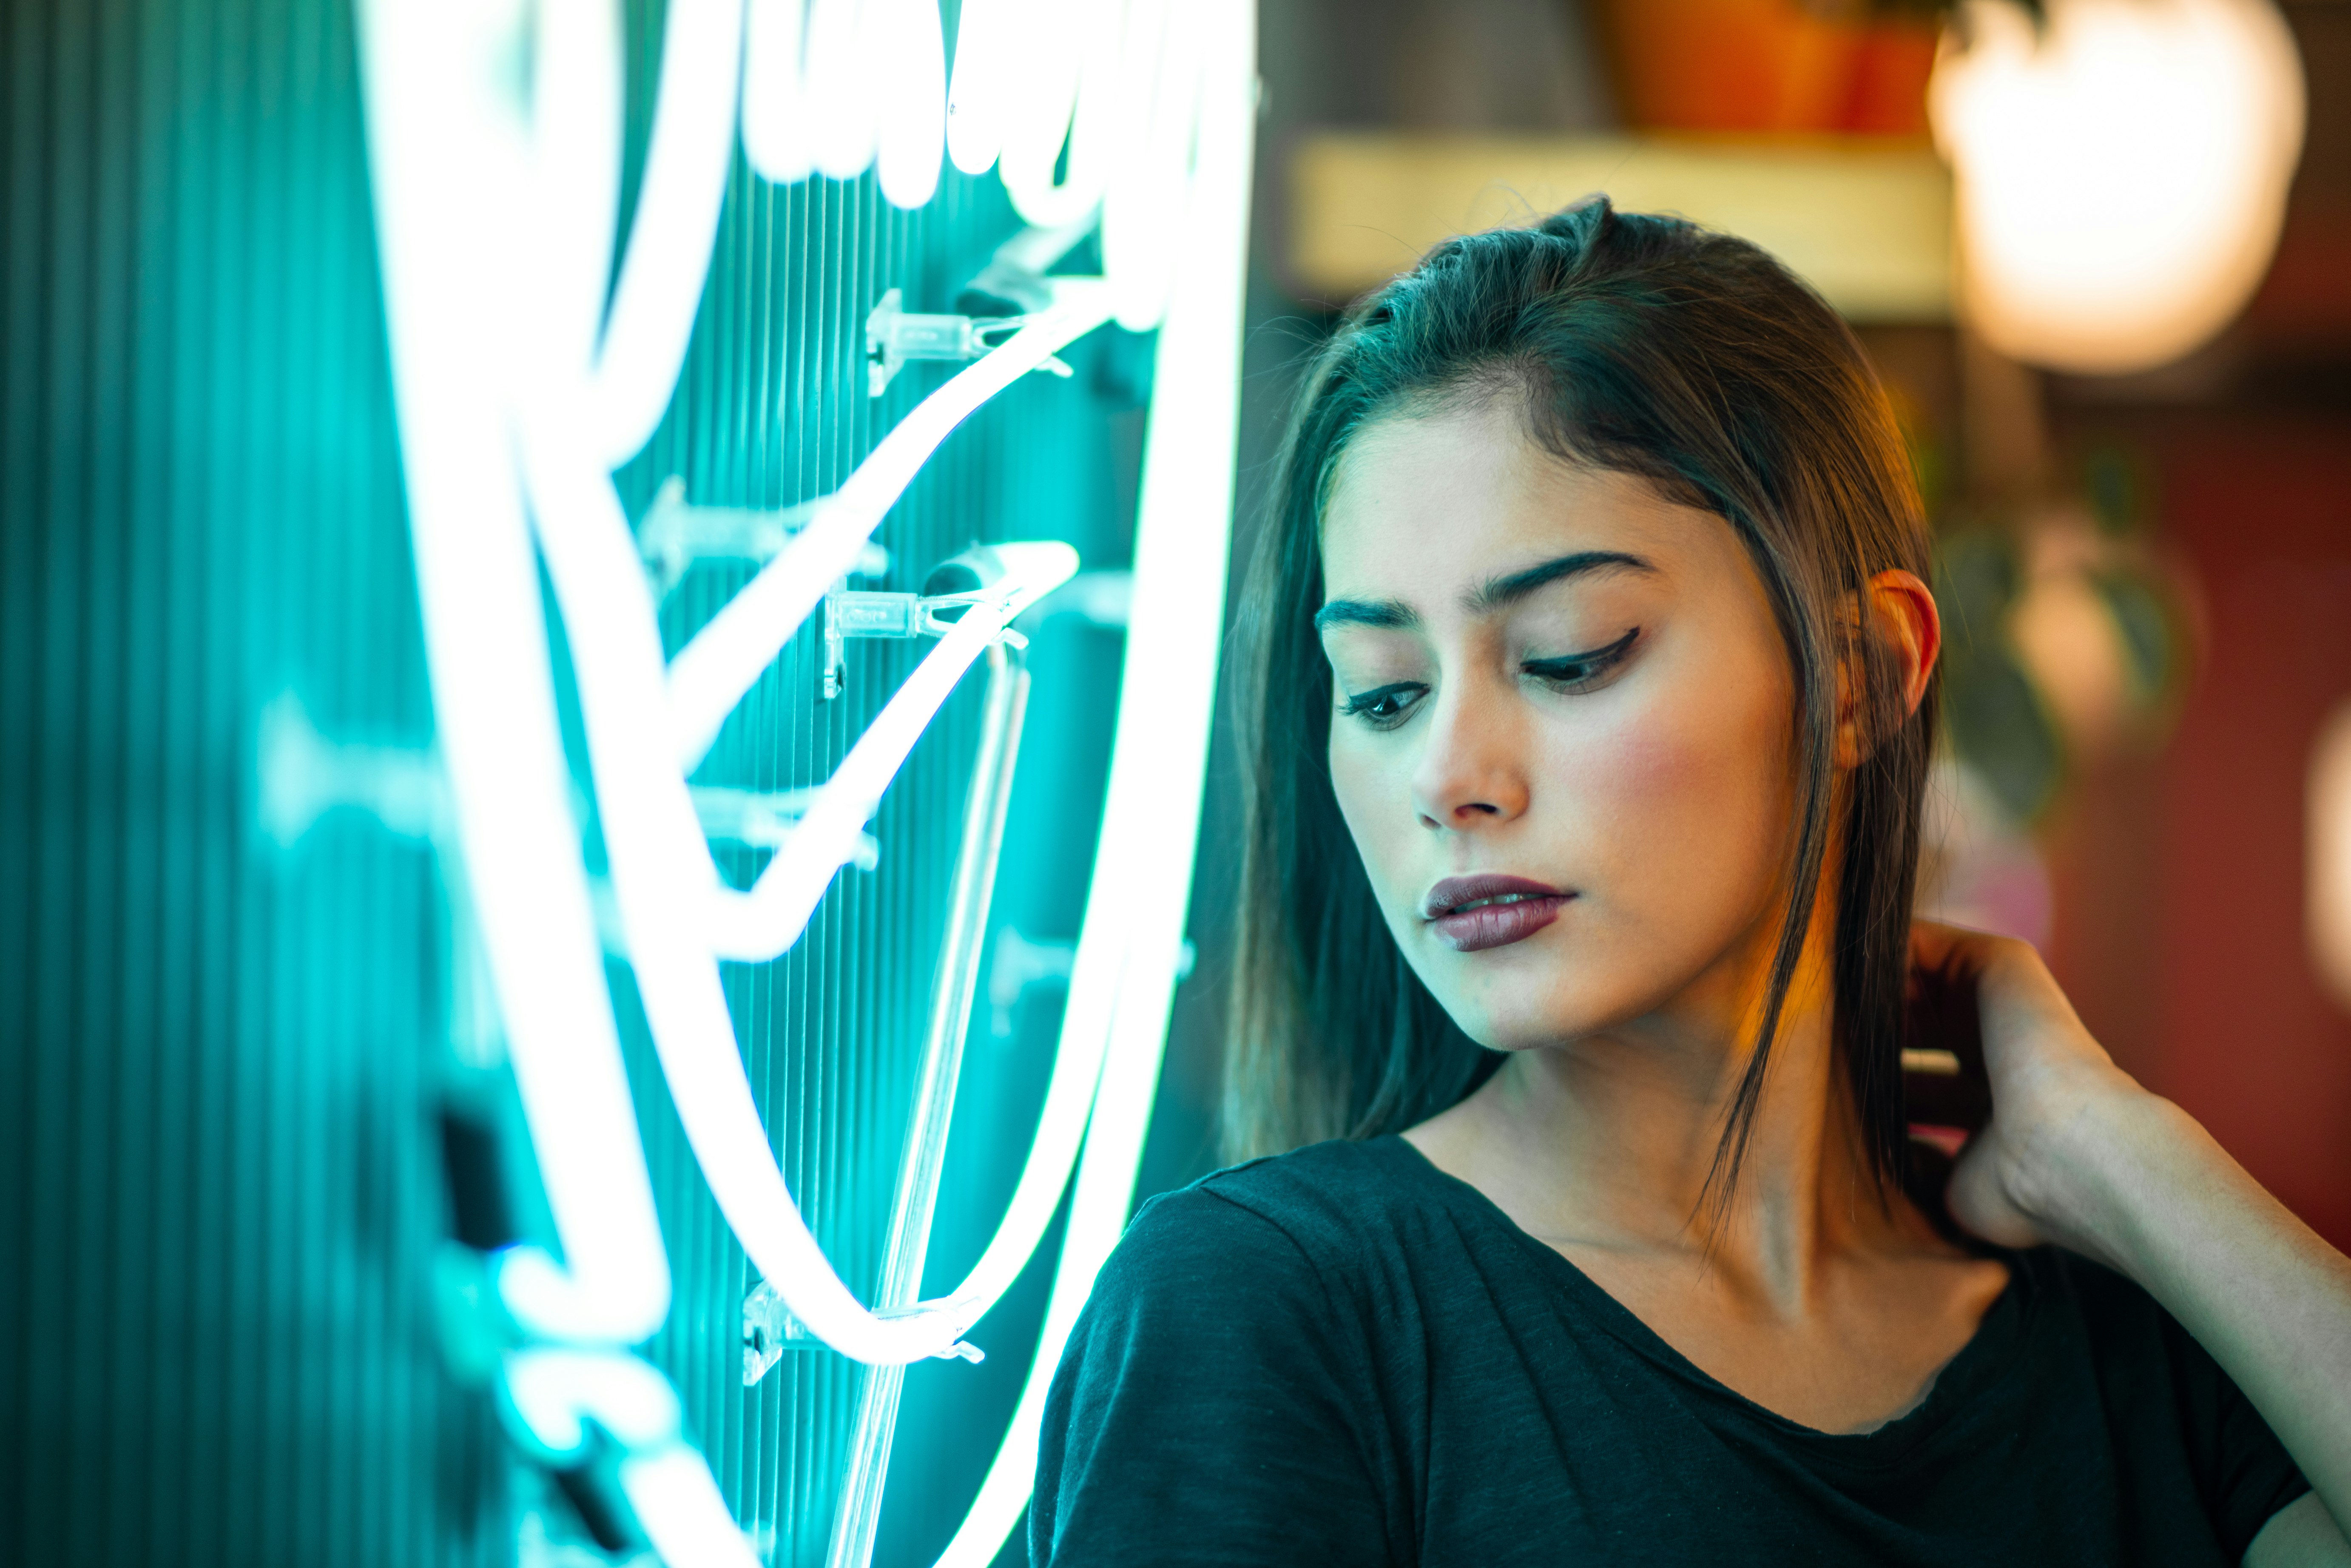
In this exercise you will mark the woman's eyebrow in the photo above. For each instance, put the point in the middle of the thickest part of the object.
(1388, 614)
(1394, 615)
(1496, 593)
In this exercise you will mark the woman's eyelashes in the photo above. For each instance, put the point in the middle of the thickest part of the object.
(1387, 707)
(1383, 708)
(1581, 672)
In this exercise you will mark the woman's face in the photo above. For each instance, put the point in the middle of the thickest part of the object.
(1565, 730)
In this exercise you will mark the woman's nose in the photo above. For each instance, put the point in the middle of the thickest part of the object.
(1471, 772)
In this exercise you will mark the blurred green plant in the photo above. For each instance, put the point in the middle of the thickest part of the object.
(1994, 714)
(2001, 707)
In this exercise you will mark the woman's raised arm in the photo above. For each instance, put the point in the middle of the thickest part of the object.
(2078, 1154)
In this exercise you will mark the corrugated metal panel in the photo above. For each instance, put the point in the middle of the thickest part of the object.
(220, 1196)
(217, 1211)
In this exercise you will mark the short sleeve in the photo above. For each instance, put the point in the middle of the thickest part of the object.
(2248, 1476)
(1209, 1407)
(2166, 1394)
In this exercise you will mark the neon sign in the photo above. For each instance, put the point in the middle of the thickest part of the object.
(520, 391)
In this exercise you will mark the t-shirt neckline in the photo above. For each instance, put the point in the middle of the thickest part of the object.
(1978, 1365)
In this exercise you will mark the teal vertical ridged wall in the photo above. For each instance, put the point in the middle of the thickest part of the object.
(222, 1056)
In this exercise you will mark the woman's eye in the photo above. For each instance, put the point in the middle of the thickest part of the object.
(1383, 708)
(1581, 671)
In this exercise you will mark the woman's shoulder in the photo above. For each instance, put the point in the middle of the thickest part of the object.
(1327, 1208)
(2149, 1370)
(1220, 1392)
(1344, 1193)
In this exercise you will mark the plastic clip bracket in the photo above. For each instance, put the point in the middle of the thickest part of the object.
(894, 336)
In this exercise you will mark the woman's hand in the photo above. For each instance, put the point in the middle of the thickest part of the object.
(2056, 1093)
(2076, 1152)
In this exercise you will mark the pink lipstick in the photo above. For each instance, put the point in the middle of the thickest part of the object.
(1471, 913)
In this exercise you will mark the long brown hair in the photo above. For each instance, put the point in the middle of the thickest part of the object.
(1649, 346)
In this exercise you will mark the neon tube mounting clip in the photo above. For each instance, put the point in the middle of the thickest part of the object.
(954, 586)
(894, 336)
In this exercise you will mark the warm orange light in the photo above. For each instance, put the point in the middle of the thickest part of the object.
(2328, 870)
(2121, 172)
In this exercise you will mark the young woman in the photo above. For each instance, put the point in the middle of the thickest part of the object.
(1592, 702)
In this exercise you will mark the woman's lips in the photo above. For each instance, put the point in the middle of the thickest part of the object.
(1471, 913)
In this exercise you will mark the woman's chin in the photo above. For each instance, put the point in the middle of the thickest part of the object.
(1518, 1024)
(1544, 1005)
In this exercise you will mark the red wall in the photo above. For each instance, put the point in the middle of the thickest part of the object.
(2181, 878)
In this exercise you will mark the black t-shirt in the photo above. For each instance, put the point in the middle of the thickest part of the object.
(1344, 1355)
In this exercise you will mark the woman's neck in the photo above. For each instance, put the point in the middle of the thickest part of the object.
(1610, 1144)
(1800, 1284)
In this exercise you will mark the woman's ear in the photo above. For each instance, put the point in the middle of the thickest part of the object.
(1895, 613)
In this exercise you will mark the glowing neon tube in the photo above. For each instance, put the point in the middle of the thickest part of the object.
(839, 77)
(660, 287)
(1062, 140)
(977, 100)
(1051, 91)
(573, 186)
(711, 672)
(554, 1390)
(1144, 204)
(775, 139)
(448, 169)
(552, 1394)
(908, 53)
(667, 886)
(831, 85)
(494, 214)
(684, 1514)
(857, 1515)
(760, 924)
(1166, 699)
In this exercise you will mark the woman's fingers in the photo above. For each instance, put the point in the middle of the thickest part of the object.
(2048, 1077)
(2022, 1008)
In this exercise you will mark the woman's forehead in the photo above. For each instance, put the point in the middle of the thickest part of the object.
(1420, 503)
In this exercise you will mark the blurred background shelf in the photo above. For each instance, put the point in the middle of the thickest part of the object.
(1867, 219)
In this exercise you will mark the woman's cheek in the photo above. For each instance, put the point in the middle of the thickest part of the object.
(1671, 812)
(1636, 779)
(1375, 793)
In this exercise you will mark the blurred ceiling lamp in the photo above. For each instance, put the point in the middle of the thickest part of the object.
(2121, 170)
(2328, 872)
